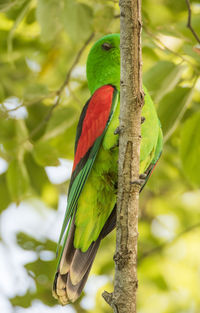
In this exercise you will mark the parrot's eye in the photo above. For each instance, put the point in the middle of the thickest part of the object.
(106, 46)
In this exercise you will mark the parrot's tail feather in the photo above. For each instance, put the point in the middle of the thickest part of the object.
(73, 270)
(82, 261)
(75, 265)
(68, 251)
(74, 292)
(65, 291)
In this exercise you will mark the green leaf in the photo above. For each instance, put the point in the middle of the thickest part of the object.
(162, 78)
(4, 193)
(77, 20)
(64, 143)
(102, 18)
(44, 154)
(148, 52)
(17, 180)
(172, 107)
(177, 6)
(36, 115)
(7, 129)
(160, 282)
(43, 272)
(189, 50)
(2, 93)
(4, 4)
(21, 130)
(23, 301)
(37, 174)
(30, 18)
(27, 242)
(36, 91)
(48, 16)
(7, 4)
(61, 120)
(190, 148)
(18, 143)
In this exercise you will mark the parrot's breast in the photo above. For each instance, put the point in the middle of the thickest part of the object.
(97, 199)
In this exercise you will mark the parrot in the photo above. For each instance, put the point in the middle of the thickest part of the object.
(91, 205)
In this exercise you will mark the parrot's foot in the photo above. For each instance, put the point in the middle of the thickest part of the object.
(142, 119)
(143, 176)
(117, 131)
(115, 146)
(137, 182)
(141, 180)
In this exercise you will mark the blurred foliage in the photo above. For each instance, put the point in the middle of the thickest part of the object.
(39, 43)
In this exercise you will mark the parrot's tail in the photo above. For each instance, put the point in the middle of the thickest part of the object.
(75, 265)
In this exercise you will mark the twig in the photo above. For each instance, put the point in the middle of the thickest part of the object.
(74, 64)
(29, 103)
(170, 50)
(60, 90)
(15, 25)
(74, 96)
(189, 23)
(45, 120)
(9, 6)
(168, 242)
(108, 297)
(39, 99)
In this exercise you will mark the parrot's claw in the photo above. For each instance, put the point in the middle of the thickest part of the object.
(143, 176)
(137, 182)
(142, 119)
(117, 131)
(115, 146)
(141, 180)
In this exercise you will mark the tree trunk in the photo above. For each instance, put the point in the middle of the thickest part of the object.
(123, 300)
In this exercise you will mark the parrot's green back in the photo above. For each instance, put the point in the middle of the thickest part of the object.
(91, 206)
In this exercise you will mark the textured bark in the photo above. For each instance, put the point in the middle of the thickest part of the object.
(123, 299)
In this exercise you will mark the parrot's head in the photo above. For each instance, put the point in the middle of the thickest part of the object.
(103, 63)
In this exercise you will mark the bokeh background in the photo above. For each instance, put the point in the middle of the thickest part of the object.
(42, 45)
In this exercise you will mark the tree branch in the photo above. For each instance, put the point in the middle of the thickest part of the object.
(189, 22)
(123, 299)
(108, 297)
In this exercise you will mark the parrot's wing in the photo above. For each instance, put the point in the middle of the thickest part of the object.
(157, 155)
(91, 129)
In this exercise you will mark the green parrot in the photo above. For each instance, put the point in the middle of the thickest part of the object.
(91, 208)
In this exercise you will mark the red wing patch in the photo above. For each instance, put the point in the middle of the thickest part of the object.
(95, 120)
